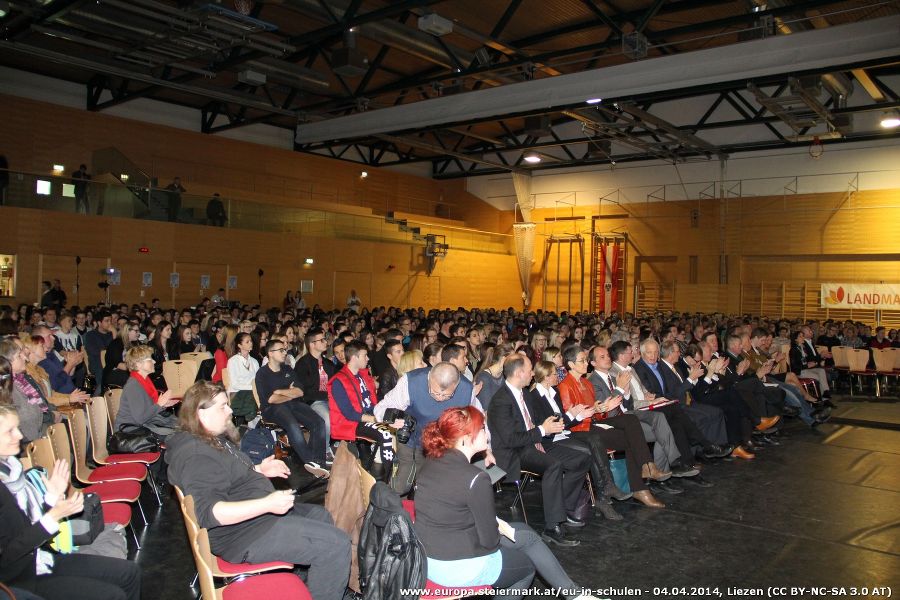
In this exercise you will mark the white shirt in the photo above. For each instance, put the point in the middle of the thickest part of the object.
(550, 395)
(241, 373)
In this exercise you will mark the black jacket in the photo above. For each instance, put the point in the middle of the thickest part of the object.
(19, 540)
(508, 435)
(455, 516)
(307, 370)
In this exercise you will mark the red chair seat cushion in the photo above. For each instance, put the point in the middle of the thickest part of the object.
(135, 472)
(272, 585)
(115, 491)
(433, 590)
(140, 457)
(116, 512)
(238, 568)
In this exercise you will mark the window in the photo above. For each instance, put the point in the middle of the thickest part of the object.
(42, 187)
(7, 275)
(68, 190)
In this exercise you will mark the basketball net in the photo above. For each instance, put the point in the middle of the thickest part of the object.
(523, 235)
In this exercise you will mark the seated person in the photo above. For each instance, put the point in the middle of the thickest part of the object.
(242, 370)
(115, 372)
(248, 520)
(22, 391)
(59, 389)
(281, 401)
(351, 403)
(457, 523)
(314, 370)
(141, 404)
(30, 521)
(517, 443)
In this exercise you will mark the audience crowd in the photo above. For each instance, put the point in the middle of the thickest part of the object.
(597, 409)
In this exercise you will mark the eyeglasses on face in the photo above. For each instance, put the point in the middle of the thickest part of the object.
(278, 350)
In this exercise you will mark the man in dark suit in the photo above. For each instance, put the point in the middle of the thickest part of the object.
(710, 419)
(653, 374)
(518, 444)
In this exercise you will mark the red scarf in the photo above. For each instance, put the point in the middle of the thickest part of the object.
(147, 385)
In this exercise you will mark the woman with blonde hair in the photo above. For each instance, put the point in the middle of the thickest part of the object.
(141, 404)
(115, 373)
(554, 355)
(411, 359)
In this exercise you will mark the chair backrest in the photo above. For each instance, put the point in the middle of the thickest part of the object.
(195, 356)
(822, 350)
(180, 375)
(204, 562)
(896, 353)
(40, 453)
(839, 353)
(884, 359)
(78, 437)
(226, 378)
(113, 399)
(858, 358)
(98, 422)
(190, 515)
(59, 441)
(26, 463)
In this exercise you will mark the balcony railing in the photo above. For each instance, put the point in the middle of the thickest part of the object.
(120, 196)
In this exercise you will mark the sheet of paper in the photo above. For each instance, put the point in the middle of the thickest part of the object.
(506, 529)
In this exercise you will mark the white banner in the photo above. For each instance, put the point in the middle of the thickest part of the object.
(880, 296)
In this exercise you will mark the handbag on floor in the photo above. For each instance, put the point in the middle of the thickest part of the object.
(132, 439)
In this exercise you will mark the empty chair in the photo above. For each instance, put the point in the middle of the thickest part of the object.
(858, 361)
(113, 399)
(180, 375)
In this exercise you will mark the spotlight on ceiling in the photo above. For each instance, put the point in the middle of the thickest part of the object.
(363, 174)
(890, 119)
(594, 100)
(532, 157)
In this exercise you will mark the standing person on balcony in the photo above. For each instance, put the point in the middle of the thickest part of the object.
(80, 180)
(215, 211)
(175, 190)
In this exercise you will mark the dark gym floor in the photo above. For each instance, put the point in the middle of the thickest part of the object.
(820, 510)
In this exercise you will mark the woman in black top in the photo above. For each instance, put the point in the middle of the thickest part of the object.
(457, 523)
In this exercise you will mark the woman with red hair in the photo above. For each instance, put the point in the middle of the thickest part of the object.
(457, 523)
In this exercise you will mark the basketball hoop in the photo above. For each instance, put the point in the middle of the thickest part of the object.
(816, 149)
(243, 6)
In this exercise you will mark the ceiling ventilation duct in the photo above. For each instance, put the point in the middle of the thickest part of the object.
(435, 24)
(349, 61)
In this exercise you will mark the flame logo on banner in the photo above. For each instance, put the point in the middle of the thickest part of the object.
(835, 296)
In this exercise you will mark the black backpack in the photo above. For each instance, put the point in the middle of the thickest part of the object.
(258, 443)
(391, 558)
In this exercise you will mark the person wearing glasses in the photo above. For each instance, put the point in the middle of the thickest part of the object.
(424, 394)
(142, 405)
(281, 401)
(115, 373)
(314, 370)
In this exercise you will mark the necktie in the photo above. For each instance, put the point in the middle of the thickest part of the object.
(529, 424)
(612, 386)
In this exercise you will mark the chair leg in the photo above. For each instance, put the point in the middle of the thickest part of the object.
(152, 481)
(519, 487)
(134, 536)
(590, 486)
(143, 516)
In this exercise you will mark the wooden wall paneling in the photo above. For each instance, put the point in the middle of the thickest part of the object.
(133, 267)
(344, 281)
(189, 292)
(425, 290)
(62, 267)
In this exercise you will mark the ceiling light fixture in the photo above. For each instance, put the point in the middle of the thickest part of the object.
(532, 157)
(364, 174)
(594, 100)
(890, 119)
